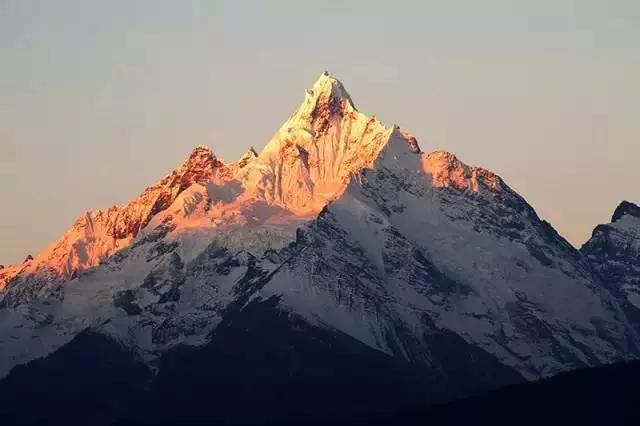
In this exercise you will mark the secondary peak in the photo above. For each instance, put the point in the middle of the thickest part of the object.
(626, 208)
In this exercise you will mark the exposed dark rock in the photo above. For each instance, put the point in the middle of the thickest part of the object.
(126, 301)
(625, 208)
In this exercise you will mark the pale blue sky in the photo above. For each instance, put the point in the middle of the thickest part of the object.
(99, 99)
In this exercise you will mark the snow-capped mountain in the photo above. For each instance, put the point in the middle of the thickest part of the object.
(341, 235)
(306, 163)
(614, 252)
(250, 205)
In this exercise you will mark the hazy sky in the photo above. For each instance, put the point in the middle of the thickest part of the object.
(99, 99)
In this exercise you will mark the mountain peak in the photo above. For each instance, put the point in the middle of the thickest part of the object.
(325, 103)
(201, 162)
(326, 98)
(330, 87)
(201, 151)
(626, 208)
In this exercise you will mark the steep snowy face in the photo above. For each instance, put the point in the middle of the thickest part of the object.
(311, 158)
(614, 252)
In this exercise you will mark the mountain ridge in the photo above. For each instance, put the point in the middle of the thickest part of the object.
(340, 226)
(82, 247)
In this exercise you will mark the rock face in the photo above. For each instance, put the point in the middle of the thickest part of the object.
(614, 253)
(341, 236)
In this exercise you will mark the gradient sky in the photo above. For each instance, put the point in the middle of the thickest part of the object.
(99, 99)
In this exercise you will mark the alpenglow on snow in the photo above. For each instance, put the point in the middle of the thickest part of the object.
(348, 229)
